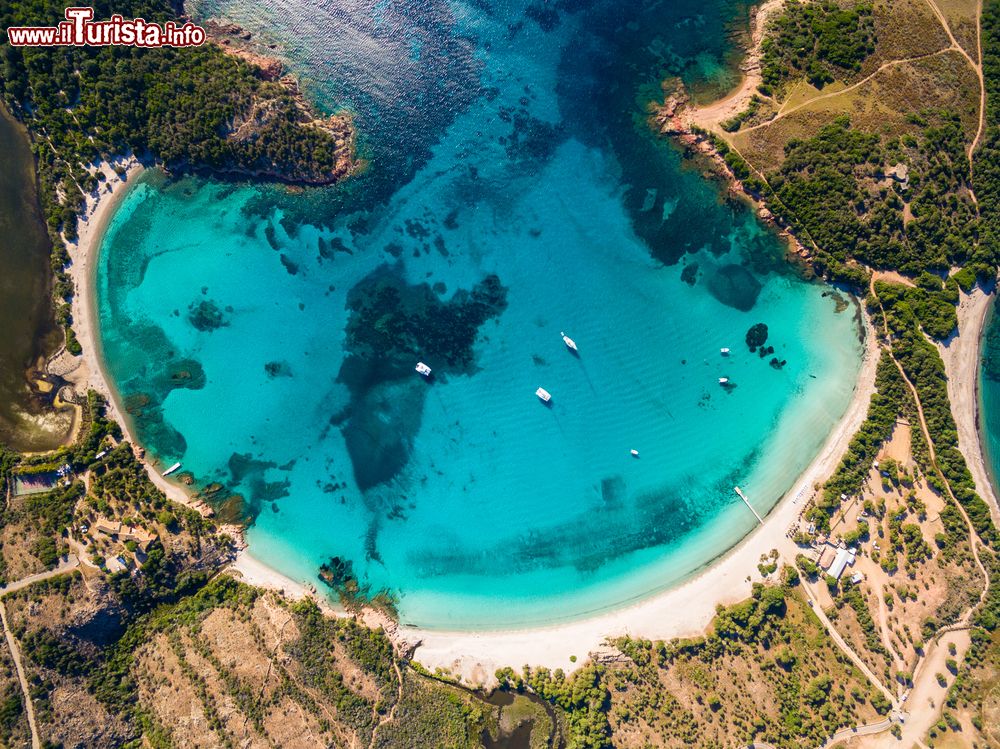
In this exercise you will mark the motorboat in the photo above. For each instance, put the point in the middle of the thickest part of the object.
(543, 395)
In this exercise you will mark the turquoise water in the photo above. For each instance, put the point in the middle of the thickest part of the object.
(989, 393)
(267, 338)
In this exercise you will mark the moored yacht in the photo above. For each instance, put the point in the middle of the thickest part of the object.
(570, 343)
(543, 395)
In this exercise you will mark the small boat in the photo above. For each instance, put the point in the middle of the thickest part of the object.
(570, 343)
(543, 395)
(423, 369)
(724, 351)
(635, 453)
(172, 468)
(723, 380)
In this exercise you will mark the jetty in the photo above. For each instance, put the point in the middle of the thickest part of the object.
(747, 501)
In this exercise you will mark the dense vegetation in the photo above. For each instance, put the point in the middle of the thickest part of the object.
(186, 108)
(820, 41)
(925, 369)
(855, 465)
(844, 190)
(986, 176)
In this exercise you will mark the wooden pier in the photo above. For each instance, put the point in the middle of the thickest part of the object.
(747, 501)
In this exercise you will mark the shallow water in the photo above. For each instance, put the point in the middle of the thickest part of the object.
(989, 393)
(26, 322)
(267, 339)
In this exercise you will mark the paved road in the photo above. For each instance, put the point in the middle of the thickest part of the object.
(67, 563)
(868, 730)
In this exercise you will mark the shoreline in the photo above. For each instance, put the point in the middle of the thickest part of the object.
(709, 116)
(684, 610)
(87, 372)
(961, 355)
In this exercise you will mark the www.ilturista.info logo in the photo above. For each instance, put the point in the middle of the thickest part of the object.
(79, 30)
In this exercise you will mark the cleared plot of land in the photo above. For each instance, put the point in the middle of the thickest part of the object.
(916, 579)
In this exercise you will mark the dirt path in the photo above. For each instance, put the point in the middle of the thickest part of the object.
(391, 715)
(842, 644)
(884, 66)
(15, 654)
(977, 67)
(66, 564)
(926, 709)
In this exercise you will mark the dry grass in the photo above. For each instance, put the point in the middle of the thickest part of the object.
(904, 29)
(961, 17)
(647, 706)
(882, 104)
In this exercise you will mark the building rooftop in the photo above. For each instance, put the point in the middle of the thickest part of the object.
(840, 562)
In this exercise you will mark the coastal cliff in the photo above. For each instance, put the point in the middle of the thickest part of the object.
(269, 111)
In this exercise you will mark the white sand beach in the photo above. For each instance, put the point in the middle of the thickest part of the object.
(681, 611)
(961, 355)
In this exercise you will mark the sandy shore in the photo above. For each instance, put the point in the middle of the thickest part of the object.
(711, 115)
(961, 362)
(682, 611)
(86, 371)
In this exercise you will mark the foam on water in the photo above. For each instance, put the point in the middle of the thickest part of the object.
(265, 339)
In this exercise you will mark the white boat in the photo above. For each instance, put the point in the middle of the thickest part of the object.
(570, 343)
(635, 453)
(543, 395)
(172, 468)
(723, 380)
(423, 369)
(724, 351)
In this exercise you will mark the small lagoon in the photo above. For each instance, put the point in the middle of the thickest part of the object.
(267, 337)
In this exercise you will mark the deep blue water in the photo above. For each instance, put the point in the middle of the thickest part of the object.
(267, 337)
